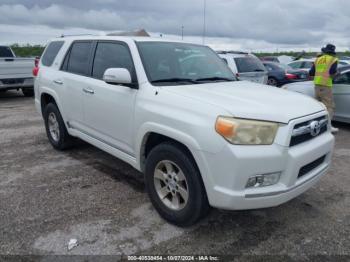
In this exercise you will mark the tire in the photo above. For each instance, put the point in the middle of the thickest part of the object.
(55, 128)
(28, 92)
(272, 81)
(188, 211)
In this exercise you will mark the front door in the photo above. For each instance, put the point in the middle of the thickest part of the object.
(109, 109)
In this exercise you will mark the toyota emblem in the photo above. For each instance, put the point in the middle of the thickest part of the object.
(315, 127)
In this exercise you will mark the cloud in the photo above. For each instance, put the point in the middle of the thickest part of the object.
(274, 22)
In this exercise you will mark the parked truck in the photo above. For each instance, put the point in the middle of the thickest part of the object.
(16, 72)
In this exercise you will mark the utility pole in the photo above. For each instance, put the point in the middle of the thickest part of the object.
(204, 19)
(182, 32)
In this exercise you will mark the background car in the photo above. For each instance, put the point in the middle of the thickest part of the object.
(245, 66)
(270, 59)
(303, 64)
(343, 62)
(280, 74)
(341, 91)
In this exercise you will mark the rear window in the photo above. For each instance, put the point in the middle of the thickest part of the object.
(51, 52)
(249, 64)
(5, 51)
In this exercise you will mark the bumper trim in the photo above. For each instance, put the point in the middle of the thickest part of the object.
(287, 190)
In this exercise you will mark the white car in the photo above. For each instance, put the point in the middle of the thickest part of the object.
(341, 92)
(302, 64)
(175, 112)
(245, 66)
(15, 72)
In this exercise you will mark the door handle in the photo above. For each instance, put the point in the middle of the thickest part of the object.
(59, 82)
(88, 91)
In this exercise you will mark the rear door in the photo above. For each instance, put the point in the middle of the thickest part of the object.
(341, 92)
(109, 109)
(74, 79)
(251, 69)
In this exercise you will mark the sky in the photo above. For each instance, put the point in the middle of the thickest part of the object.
(248, 25)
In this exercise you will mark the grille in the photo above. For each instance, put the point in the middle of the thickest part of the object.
(306, 136)
(309, 167)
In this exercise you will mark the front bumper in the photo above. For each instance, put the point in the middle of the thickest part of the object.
(227, 172)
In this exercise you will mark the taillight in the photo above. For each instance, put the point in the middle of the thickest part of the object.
(237, 75)
(36, 66)
(291, 76)
(35, 71)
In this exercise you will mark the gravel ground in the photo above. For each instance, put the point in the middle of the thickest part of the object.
(48, 197)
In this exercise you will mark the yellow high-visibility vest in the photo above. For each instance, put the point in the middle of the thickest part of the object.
(323, 65)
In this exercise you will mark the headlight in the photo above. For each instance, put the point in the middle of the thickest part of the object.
(246, 132)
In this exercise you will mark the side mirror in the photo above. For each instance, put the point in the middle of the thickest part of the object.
(117, 76)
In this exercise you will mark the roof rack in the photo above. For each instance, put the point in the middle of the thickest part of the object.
(232, 52)
(63, 35)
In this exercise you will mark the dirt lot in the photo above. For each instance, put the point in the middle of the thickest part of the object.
(48, 197)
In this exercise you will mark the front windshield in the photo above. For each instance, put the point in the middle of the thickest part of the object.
(168, 63)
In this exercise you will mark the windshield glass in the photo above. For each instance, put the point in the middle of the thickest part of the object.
(168, 63)
(249, 64)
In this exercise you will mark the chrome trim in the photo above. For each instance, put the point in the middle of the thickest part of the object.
(314, 128)
(289, 189)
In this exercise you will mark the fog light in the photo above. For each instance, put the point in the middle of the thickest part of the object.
(263, 180)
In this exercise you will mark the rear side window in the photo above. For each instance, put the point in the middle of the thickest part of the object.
(5, 51)
(79, 58)
(111, 55)
(249, 64)
(51, 52)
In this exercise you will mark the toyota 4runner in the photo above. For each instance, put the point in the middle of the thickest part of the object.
(177, 113)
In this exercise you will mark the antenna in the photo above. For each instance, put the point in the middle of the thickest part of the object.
(204, 20)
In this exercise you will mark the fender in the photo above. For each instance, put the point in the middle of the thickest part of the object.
(51, 92)
(151, 127)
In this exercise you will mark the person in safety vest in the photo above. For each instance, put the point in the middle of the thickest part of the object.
(323, 71)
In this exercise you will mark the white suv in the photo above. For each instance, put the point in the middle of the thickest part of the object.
(174, 111)
(245, 66)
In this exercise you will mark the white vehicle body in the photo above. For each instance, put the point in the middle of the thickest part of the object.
(93, 110)
(234, 60)
(341, 92)
(15, 72)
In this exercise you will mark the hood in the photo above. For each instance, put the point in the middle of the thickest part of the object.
(245, 99)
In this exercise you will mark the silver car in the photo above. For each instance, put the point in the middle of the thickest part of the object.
(245, 66)
(341, 91)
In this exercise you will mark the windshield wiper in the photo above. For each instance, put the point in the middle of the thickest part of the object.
(174, 80)
(215, 78)
(259, 70)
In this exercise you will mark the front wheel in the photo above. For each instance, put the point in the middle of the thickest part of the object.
(174, 185)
